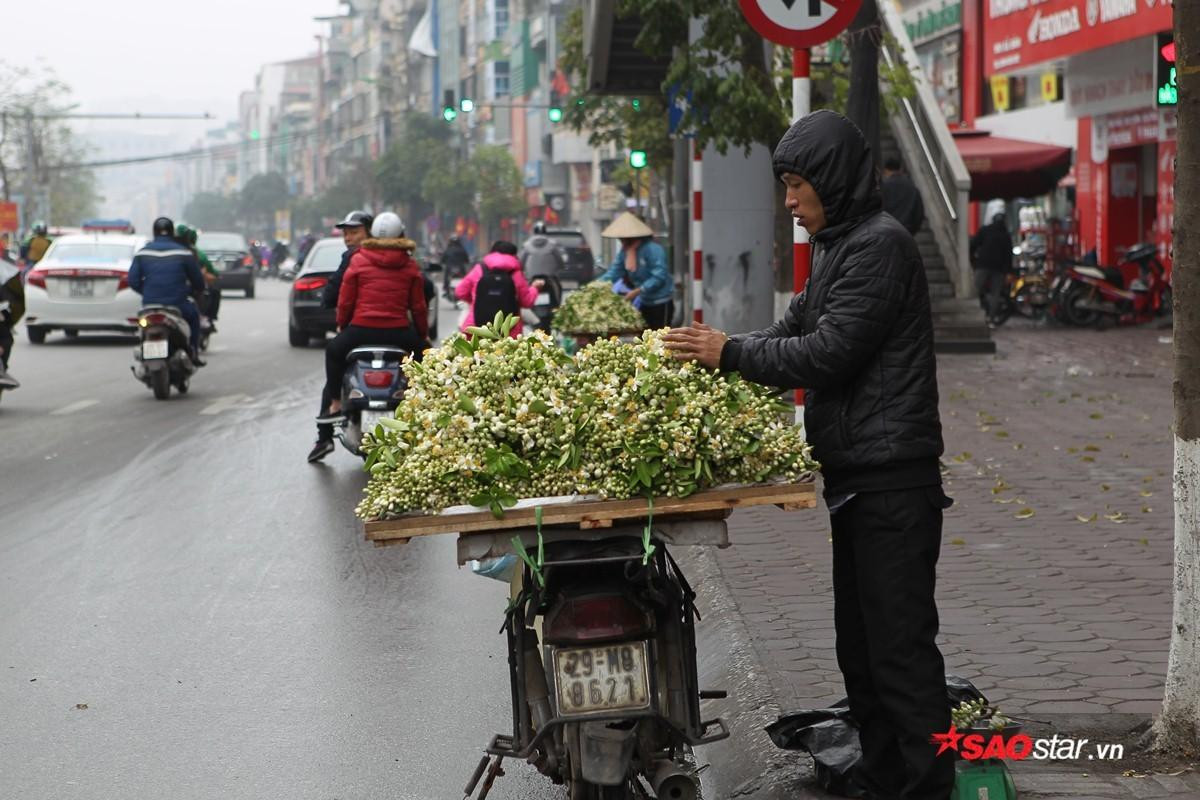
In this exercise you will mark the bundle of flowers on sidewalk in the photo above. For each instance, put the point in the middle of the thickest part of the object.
(490, 419)
(596, 309)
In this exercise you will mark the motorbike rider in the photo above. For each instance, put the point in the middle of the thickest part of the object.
(164, 273)
(354, 228)
(455, 259)
(279, 254)
(188, 236)
(381, 302)
(12, 308)
(36, 245)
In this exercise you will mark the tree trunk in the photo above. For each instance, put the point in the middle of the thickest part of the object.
(862, 106)
(1178, 729)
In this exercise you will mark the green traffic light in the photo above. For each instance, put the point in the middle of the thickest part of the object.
(555, 114)
(449, 113)
(637, 104)
(637, 159)
(255, 135)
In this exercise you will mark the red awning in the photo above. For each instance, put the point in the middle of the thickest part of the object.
(1008, 168)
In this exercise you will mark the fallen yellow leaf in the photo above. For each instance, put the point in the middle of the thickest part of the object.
(1024, 513)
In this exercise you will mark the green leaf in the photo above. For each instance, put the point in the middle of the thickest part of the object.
(462, 347)
(486, 333)
(539, 407)
(394, 424)
(467, 404)
(481, 499)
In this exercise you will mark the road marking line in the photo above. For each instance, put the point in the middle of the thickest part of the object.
(76, 406)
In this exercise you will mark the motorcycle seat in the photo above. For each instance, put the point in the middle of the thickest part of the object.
(1141, 252)
(377, 353)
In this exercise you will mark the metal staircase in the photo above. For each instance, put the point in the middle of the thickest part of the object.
(918, 134)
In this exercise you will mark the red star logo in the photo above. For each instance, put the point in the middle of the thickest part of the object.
(948, 740)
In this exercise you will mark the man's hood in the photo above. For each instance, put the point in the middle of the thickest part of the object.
(389, 252)
(830, 152)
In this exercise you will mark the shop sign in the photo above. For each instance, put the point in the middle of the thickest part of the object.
(1132, 129)
(1117, 78)
(1051, 87)
(1021, 33)
(932, 19)
(1000, 98)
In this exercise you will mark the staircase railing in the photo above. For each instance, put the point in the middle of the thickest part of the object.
(934, 162)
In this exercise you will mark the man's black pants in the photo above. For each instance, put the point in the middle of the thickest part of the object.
(6, 344)
(885, 549)
(339, 347)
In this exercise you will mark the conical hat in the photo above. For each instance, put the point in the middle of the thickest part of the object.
(627, 226)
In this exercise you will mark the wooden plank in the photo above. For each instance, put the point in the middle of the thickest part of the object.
(597, 513)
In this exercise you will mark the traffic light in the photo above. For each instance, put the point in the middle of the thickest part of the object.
(555, 113)
(637, 159)
(636, 103)
(466, 105)
(449, 109)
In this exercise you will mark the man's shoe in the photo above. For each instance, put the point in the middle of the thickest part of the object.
(322, 448)
(8, 381)
(334, 418)
(198, 361)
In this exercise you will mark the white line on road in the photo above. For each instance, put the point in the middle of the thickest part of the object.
(79, 405)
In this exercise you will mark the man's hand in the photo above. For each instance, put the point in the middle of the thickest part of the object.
(538, 284)
(633, 294)
(699, 343)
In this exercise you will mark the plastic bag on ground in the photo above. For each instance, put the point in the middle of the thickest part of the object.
(830, 736)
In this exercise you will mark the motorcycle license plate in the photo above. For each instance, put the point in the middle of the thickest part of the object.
(605, 678)
(371, 418)
(156, 348)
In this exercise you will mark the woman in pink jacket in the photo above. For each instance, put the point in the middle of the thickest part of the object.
(497, 284)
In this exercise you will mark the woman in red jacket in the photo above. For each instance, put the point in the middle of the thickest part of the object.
(382, 301)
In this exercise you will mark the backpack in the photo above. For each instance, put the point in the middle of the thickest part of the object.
(494, 293)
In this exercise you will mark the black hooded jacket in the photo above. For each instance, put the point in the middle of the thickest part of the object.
(859, 338)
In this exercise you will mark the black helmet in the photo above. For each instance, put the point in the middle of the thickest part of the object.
(164, 227)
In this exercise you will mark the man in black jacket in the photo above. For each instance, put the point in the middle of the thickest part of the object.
(991, 255)
(900, 196)
(860, 340)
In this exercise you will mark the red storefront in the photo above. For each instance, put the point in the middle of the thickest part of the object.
(1124, 158)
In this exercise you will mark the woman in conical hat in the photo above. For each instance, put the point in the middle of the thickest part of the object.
(642, 264)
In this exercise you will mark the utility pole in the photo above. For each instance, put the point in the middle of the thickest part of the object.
(28, 207)
(1178, 729)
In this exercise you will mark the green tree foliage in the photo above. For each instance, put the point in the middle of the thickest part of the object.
(212, 211)
(497, 185)
(413, 160)
(260, 198)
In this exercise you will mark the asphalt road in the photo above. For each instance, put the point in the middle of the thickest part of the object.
(180, 570)
(189, 609)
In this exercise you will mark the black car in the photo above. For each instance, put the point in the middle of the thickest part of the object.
(230, 254)
(575, 259)
(307, 316)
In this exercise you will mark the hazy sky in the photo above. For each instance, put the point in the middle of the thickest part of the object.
(166, 56)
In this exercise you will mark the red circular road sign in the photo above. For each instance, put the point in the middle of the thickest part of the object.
(800, 23)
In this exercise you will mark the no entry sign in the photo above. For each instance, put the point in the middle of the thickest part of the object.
(800, 23)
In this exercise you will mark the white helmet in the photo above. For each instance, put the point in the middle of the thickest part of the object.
(387, 226)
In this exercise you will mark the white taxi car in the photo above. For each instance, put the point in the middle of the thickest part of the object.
(81, 284)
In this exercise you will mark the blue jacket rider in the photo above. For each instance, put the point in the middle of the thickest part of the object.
(166, 273)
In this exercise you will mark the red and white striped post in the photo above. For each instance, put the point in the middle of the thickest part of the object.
(801, 104)
(697, 233)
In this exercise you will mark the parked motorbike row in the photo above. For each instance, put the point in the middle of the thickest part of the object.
(1135, 291)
